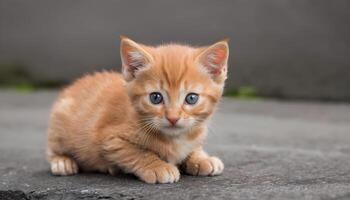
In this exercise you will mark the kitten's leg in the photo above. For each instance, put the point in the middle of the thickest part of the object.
(63, 165)
(144, 164)
(56, 150)
(60, 163)
(199, 163)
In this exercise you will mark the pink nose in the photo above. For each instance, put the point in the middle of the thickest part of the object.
(173, 120)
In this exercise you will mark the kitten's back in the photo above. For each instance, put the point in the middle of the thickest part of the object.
(81, 109)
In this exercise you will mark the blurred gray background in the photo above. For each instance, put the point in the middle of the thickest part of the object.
(280, 48)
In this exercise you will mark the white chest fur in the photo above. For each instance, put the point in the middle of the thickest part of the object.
(182, 148)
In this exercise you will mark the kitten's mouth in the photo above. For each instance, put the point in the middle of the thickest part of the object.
(173, 127)
(169, 127)
(173, 130)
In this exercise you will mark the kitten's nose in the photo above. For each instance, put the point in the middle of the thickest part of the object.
(173, 120)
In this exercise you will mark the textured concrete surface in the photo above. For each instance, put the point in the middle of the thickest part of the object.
(272, 150)
(286, 48)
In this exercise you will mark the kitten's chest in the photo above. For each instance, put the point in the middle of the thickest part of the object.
(180, 149)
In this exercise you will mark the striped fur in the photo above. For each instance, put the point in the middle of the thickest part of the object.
(105, 121)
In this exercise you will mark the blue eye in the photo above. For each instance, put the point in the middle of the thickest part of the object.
(156, 97)
(192, 98)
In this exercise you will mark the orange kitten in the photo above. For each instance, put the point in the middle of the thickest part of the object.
(147, 121)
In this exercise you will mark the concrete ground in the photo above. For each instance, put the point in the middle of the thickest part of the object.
(271, 150)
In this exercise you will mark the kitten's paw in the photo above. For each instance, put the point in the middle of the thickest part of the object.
(165, 173)
(209, 166)
(63, 166)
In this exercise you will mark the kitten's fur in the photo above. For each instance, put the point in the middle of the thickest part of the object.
(105, 122)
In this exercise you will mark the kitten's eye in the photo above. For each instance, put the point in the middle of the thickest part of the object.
(192, 98)
(156, 97)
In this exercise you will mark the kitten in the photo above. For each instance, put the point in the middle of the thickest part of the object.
(147, 121)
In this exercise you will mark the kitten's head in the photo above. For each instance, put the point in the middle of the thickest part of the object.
(174, 87)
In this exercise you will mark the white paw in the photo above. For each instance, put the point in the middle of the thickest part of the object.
(63, 166)
(217, 165)
(209, 166)
(165, 173)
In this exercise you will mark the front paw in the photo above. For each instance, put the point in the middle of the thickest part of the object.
(208, 166)
(164, 173)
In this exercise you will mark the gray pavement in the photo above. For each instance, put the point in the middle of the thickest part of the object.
(271, 150)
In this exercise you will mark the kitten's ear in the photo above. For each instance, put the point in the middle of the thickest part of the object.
(213, 60)
(134, 58)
